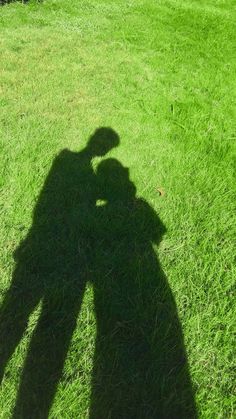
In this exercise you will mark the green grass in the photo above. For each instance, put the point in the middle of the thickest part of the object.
(162, 75)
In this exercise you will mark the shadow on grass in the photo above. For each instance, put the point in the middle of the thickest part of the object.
(3, 2)
(140, 365)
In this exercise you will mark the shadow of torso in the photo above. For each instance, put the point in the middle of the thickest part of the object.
(56, 242)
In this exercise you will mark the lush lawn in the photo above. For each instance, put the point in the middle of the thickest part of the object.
(161, 74)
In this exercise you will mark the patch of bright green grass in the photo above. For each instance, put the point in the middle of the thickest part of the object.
(162, 75)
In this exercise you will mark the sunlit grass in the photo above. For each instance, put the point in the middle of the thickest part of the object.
(162, 74)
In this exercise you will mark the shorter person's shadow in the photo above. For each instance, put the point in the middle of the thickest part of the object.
(92, 227)
(140, 366)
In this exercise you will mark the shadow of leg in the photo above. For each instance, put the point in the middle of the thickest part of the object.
(20, 301)
(47, 352)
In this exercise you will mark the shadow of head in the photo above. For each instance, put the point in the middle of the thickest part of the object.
(115, 181)
(102, 141)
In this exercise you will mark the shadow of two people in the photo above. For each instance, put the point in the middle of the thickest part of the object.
(140, 367)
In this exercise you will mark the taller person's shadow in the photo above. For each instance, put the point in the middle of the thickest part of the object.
(92, 227)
